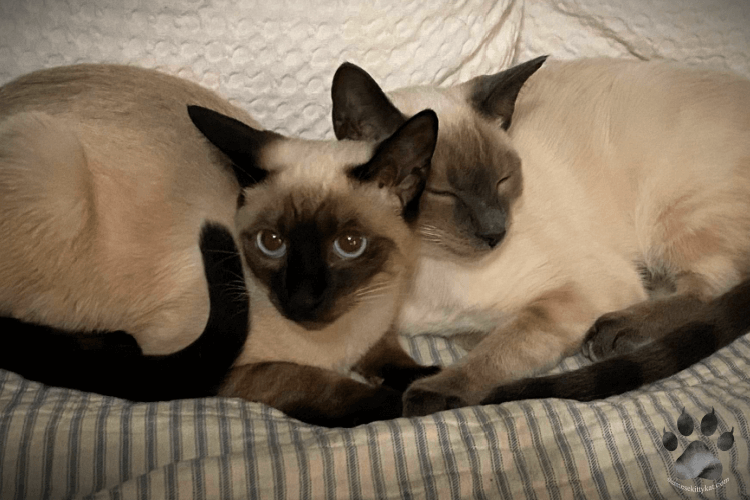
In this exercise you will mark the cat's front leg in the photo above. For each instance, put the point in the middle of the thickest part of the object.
(471, 380)
(621, 332)
(313, 395)
(444, 391)
(536, 339)
(388, 363)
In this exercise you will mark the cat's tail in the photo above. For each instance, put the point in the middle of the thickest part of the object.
(112, 363)
(726, 318)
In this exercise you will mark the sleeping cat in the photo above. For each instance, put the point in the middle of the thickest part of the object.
(106, 176)
(596, 192)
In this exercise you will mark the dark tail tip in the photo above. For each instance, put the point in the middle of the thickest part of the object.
(112, 363)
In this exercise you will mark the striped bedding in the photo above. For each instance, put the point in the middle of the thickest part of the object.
(64, 444)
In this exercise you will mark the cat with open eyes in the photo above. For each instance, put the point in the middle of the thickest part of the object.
(108, 174)
(326, 234)
(596, 203)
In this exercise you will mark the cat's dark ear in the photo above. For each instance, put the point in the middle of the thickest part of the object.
(361, 110)
(402, 161)
(240, 142)
(495, 95)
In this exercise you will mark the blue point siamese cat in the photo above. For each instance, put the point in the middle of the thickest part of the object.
(597, 204)
(134, 202)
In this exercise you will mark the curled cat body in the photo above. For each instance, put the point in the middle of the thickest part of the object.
(566, 194)
(108, 173)
(105, 185)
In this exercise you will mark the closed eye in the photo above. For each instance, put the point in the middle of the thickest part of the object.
(441, 193)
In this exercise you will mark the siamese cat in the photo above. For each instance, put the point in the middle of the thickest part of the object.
(107, 174)
(596, 203)
(326, 233)
(114, 216)
(112, 363)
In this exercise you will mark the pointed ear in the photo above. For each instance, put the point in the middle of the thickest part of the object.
(361, 110)
(240, 142)
(402, 162)
(495, 95)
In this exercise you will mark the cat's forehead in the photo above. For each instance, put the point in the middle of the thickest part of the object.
(449, 103)
(330, 204)
(319, 163)
(471, 153)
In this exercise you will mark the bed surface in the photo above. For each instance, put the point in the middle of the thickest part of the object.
(66, 444)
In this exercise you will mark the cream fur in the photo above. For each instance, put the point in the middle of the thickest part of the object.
(622, 162)
(104, 183)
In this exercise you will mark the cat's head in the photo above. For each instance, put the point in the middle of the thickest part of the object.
(476, 174)
(325, 226)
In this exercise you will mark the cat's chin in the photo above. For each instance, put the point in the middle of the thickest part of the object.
(311, 324)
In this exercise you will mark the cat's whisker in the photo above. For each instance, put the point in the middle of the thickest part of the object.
(373, 292)
(432, 234)
(374, 286)
(225, 256)
(369, 291)
(371, 295)
(240, 279)
(230, 252)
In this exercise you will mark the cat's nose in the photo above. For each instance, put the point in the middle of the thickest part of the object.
(489, 224)
(492, 239)
(305, 303)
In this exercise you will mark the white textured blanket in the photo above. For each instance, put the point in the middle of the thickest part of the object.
(276, 59)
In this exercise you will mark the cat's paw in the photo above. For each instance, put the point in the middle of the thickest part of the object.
(420, 402)
(384, 404)
(433, 394)
(621, 332)
(613, 334)
(697, 460)
(399, 377)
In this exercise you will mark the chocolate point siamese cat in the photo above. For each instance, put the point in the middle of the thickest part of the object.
(327, 235)
(112, 363)
(596, 204)
(107, 176)
(115, 215)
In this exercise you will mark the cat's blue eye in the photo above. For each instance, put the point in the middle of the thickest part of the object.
(350, 246)
(270, 243)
